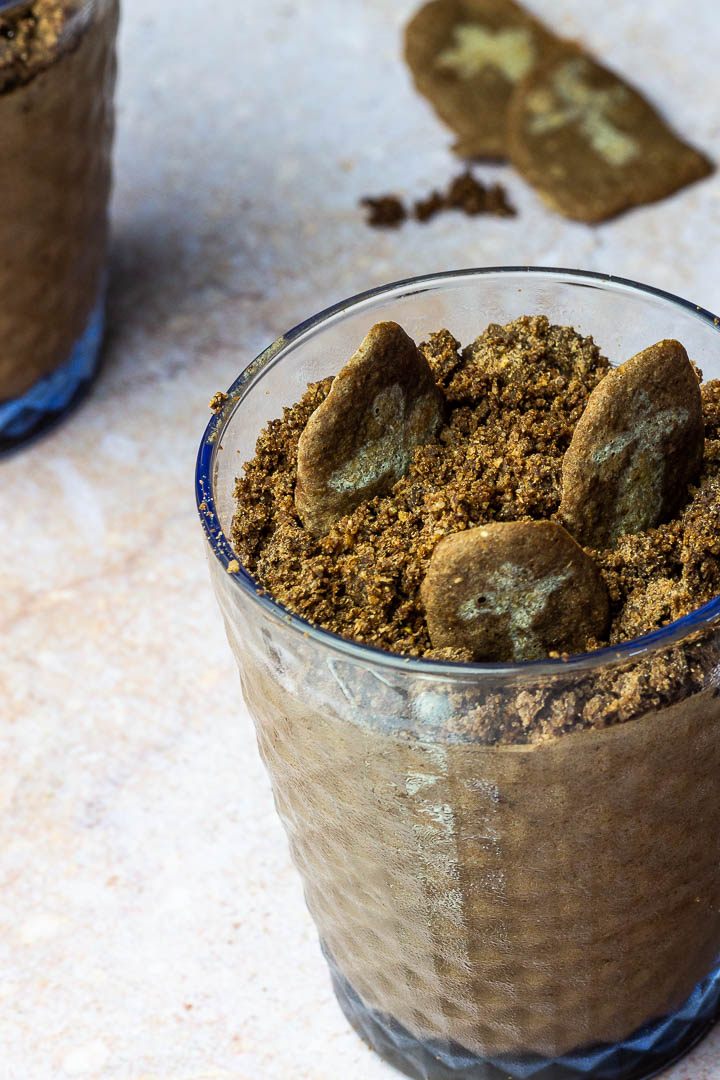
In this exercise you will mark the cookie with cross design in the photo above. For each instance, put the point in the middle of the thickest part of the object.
(636, 448)
(361, 438)
(465, 57)
(591, 144)
(513, 591)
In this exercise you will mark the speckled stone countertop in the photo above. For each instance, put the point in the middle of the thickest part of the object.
(151, 925)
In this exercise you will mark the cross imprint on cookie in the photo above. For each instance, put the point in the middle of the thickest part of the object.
(641, 482)
(475, 48)
(513, 591)
(588, 108)
(389, 454)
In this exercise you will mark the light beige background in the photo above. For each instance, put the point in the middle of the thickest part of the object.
(151, 926)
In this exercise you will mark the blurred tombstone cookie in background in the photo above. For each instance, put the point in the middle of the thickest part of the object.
(591, 144)
(466, 57)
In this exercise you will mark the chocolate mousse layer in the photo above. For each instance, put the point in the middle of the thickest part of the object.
(511, 860)
(510, 899)
(57, 74)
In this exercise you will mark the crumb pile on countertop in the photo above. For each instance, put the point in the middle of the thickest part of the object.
(464, 192)
(514, 398)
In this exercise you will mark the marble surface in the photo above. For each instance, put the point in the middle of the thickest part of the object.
(151, 925)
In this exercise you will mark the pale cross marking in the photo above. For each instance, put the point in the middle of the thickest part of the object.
(586, 106)
(514, 591)
(638, 486)
(476, 47)
(388, 454)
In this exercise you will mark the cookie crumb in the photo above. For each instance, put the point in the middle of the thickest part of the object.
(427, 208)
(472, 197)
(464, 192)
(384, 211)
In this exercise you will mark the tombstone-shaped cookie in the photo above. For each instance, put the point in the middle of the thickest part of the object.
(361, 439)
(637, 446)
(465, 57)
(591, 144)
(513, 591)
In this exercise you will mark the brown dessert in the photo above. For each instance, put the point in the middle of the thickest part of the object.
(56, 77)
(513, 861)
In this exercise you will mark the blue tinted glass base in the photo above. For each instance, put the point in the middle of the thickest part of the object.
(53, 395)
(646, 1052)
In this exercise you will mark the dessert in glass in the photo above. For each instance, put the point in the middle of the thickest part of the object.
(57, 75)
(512, 864)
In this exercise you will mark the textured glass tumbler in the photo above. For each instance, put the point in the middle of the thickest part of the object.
(489, 911)
(56, 129)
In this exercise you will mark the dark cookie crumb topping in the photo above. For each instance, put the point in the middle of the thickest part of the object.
(515, 396)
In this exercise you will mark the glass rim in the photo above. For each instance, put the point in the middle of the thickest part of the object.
(221, 546)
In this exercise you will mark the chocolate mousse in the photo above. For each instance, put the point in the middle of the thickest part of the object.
(512, 864)
(57, 73)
